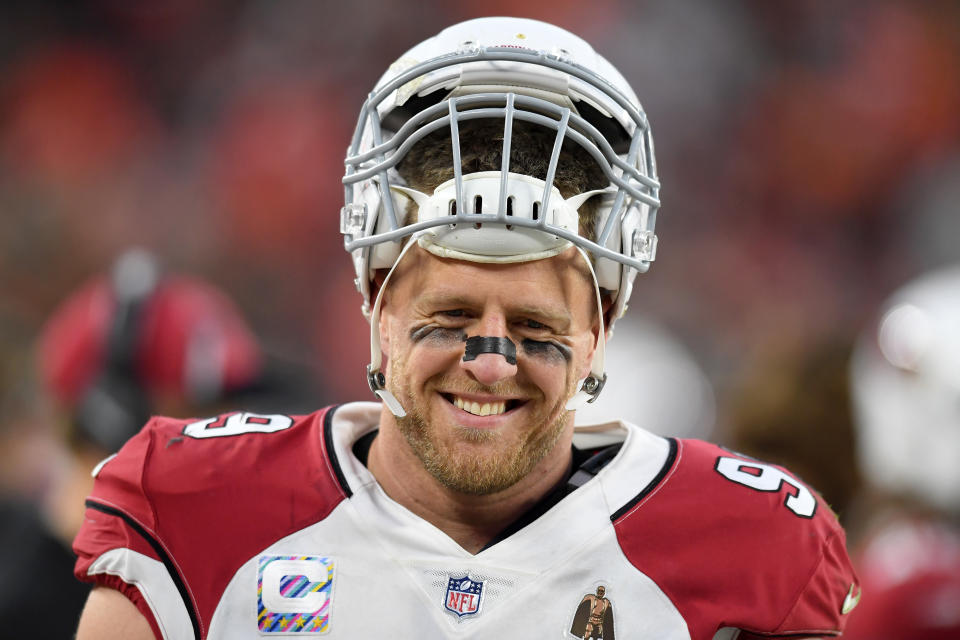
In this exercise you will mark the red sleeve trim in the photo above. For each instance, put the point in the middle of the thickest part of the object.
(163, 557)
(132, 594)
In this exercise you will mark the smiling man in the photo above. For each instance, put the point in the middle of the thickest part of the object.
(500, 199)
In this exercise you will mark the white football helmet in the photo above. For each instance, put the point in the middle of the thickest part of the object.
(506, 69)
(906, 392)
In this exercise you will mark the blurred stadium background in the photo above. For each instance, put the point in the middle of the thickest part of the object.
(809, 153)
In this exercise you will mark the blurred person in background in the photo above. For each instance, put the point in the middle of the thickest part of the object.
(905, 376)
(874, 422)
(465, 504)
(120, 348)
(39, 597)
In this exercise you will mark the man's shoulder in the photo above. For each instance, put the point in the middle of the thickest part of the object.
(222, 460)
(721, 483)
(191, 500)
(744, 530)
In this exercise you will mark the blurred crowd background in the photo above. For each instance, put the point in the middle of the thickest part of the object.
(809, 153)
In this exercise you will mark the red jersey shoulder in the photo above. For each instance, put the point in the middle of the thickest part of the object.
(755, 488)
(767, 551)
(179, 468)
(210, 494)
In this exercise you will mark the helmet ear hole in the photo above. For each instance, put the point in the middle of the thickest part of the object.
(379, 275)
(607, 299)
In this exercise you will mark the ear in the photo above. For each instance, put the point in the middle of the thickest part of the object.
(379, 276)
(606, 305)
(587, 364)
(384, 328)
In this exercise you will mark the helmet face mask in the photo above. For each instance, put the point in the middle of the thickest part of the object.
(508, 70)
(519, 73)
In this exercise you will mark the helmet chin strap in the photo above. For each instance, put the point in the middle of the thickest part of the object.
(587, 389)
(375, 377)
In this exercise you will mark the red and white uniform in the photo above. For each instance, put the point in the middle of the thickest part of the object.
(251, 526)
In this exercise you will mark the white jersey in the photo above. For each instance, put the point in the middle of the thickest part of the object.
(249, 526)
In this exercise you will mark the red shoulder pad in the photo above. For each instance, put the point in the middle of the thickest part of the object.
(203, 496)
(736, 542)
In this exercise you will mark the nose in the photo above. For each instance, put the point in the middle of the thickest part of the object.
(489, 368)
(490, 356)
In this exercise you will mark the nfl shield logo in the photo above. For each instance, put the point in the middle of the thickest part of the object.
(463, 596)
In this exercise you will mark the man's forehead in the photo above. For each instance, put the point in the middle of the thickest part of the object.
(548, 291)
(460, 295)
(564, 268)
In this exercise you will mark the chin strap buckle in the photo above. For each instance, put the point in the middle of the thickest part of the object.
(378, 384)
(592, 386)
(376, 380)
(589, 390)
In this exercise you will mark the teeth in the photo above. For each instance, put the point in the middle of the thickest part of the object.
(477, 409)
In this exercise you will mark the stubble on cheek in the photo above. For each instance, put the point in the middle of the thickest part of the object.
(475, 461)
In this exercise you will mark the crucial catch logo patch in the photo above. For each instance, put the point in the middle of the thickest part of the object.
(293, 594)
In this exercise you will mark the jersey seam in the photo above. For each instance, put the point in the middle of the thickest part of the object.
(659, 481)
(796, 601)
(800, 635)
(152, 539)
(330, 452)
(148, 459)
(136, 584)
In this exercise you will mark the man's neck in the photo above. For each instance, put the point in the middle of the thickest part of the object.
(472, 521)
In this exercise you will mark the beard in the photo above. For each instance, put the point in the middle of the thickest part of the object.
(475, 461)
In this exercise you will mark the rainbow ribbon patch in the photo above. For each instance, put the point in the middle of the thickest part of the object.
(293, 594)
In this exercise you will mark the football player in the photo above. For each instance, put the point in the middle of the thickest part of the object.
(124, 344)
(500, 198)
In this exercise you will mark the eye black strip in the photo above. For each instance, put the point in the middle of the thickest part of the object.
(490, 344)
(161, 553)
(549, 349)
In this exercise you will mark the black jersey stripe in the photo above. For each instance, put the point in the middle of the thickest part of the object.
(332, 451)
(161, 553)
(664, 470)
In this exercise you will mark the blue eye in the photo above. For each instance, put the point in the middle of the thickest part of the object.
(533, 324)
